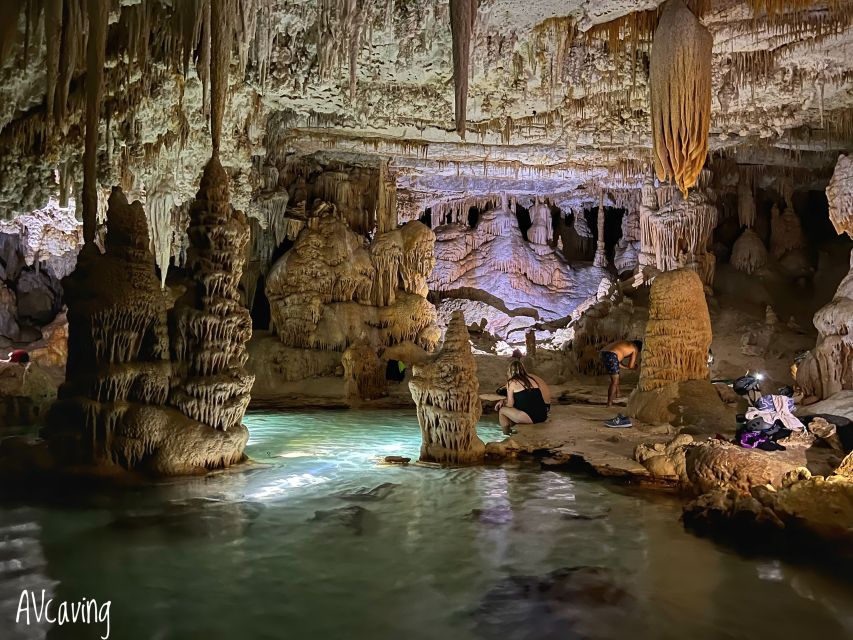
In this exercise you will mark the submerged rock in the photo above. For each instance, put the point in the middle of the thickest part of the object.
(566, 603)
(492, 515)
(353, 517)
(379, 492)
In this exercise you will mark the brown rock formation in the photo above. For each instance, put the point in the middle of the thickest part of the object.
(112, 411)
(446, 393)
(678, 334)
(680, 81)
(332, 290)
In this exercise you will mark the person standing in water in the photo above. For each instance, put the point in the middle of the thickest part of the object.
(528, 399)
(612, 357)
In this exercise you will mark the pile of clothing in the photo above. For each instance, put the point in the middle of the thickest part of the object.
(770, 420)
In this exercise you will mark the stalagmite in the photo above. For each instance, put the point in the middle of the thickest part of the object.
(600, 255)
(446, 393)
(829, 366)
(680, 85)
(112, 413)
(541, 228)
(463, 14)
(364, 375)
(210, 326)
(786, 234)
(678, 334)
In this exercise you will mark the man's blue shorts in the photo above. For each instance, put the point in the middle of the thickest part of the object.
(611, 362)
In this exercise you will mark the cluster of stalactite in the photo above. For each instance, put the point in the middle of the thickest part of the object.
(446, 393)
(332, 289)
(678, 233)
(678, 332)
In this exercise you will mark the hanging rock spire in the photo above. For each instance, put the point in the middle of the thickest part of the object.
(462, 16)
(680, 81)
(95, 53)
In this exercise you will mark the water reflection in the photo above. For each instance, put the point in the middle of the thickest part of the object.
(320, 540)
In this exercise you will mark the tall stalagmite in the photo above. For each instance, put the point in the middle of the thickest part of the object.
(680, 81)
(463, 13)
(211, 326)
(678, 333)
(446, 392)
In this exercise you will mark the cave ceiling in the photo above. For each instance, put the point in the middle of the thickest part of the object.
(558, 97)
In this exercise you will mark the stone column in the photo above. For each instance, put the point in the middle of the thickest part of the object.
(600, 256)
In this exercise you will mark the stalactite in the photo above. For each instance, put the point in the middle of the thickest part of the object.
(745, 202)
(220, 56)
(160, 203)
(96, 53)
(463, 14)
(680, 81)
(749, 253)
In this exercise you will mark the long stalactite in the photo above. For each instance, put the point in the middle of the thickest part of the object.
(462, 16)
(95, 54)
(680, 82)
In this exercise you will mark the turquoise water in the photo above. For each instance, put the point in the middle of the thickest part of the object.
(322, 541)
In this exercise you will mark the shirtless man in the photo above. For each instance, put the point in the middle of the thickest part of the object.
(612, 357)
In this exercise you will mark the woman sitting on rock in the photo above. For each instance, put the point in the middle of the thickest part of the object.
(528, 398)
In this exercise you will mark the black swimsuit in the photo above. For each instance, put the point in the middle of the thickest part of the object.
(532, 403)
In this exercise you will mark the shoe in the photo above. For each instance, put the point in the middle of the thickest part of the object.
(619, 422)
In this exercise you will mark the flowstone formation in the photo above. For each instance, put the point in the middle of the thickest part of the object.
(113, 413)
(332, 289)
(446, 393)
(491, 272)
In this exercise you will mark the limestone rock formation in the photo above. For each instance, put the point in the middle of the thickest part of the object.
(817, 508)
(332, 288)
(839, 194)
(26, 394)
(514, 282)
(749, 253)
(680, 84)
(210, 325)
(829, 366)
(677, 233)
(446, 393)
(112, 413)
(678, 334)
